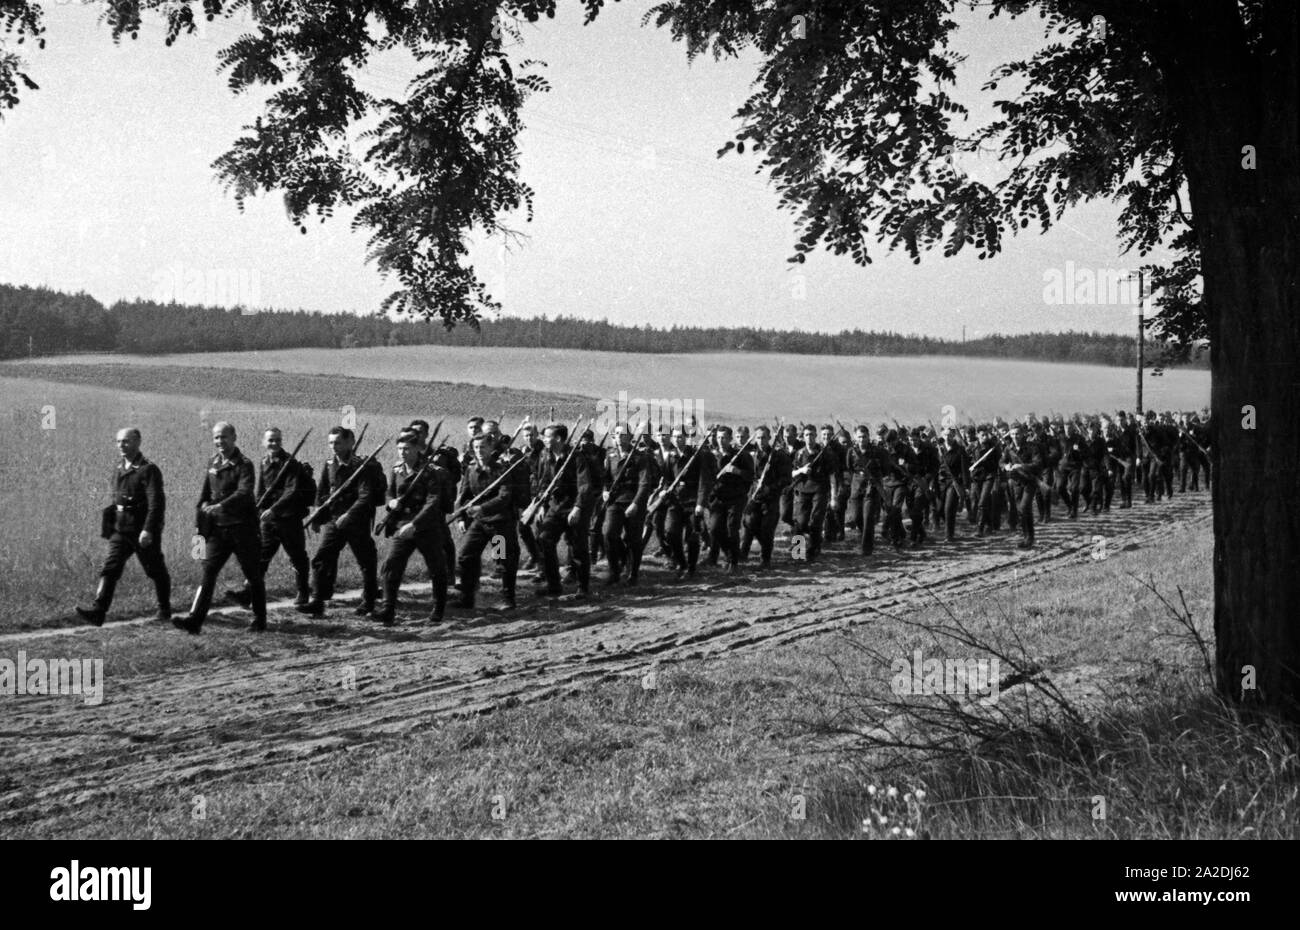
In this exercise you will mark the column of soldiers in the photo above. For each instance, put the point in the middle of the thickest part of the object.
(703, 495)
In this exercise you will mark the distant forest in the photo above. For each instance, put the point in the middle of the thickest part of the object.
(38, 321)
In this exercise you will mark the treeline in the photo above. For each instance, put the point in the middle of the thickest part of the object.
(39, 321)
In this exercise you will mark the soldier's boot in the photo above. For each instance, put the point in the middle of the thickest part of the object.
(257, 588)
(388, 605)
(370, 591)
(304, 591)
(163, 590)
(508, 599)
(193, 621)
(98, 610)
(746, 544)
(439, 603)
(314, 607)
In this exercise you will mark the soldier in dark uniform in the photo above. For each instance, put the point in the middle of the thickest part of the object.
(730, 494)
(954, 468)
(594, 547)
(627, 488)
(815, 477)
(1025, 463)
(420, 495)
(772, 467)
(660, 450)
(865, 473)
(687, 506)
(1045, 436)
(1070, 470)
(791, 443)
(226, 517)
(986, 457)
(1096, 476)
(1151, 442)
(280, 521)
(345, 523)
(566, 512)
(838, 444)
(496, 515)
(132, 524)
(530, 444)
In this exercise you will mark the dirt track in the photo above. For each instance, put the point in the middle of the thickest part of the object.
(287, 699)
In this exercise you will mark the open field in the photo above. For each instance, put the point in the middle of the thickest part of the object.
(716, 708)
(810, 387)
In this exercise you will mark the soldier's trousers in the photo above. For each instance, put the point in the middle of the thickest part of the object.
(431, 548)
(1043, 495)
(982, 493)
(837, 503)
(1122, 478)
(1096, 489)
(623, 539)
(787, 507)
(1067, 489)
(682, 535)
(864, 513)
(243, 542)
(951, 504)
(724, 529)
(761, 518)
(121, 547)
(809, 515)
(325, 563)
(896, 499)
(529, 541)
(290, 534)
(661, 534)
(1024, 493)
(551, 528)
(469, 564)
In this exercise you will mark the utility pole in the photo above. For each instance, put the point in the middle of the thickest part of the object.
(1141, 340)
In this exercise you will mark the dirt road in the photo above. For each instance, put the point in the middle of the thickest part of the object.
(313, 687)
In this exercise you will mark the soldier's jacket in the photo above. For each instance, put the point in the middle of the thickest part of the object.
(791, 446)
(928, 458)
(228, 484)
(817, 478)
(578, 484)
(1074, 449)
(732, 487)
(500, 509)
(1051, 447)
(138, 499)
(989, 466)
(635, 481)
(1030, 457)
(954, 466)
(287, 501)
(1120, 447)
(697, 484)
(423, 496)
(770, 480)
(534, 454)
(903, 465)
(357, 502)
(1094, 454)
(865, 469)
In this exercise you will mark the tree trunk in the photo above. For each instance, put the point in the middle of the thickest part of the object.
(1248, 222)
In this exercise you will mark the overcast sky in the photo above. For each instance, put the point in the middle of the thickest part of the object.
(108, 188)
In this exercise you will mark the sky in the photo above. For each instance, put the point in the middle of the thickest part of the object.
(108, 188)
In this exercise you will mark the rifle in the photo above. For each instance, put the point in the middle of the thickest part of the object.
(400, 501)
(661, 493)
(982, 458)
(1020, 463)
(622, 466)
(522, 423)
(284, 470)
(482, 494)
(530, 512)
(1146, 445)
(311, 517)
(1192, 440)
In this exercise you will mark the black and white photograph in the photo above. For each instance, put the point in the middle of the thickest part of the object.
(864, 420)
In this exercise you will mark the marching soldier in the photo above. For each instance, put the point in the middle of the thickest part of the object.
(865, 473)
(345, 523)
(772, 468)
(815, 476)
(226, 518)
(497, 514)
(685, 508)
(420, 495)
(1023, 468)
(1096, 476)
(282, 510)
(791, 443)
(627, 483)
(953, 472)
(567, 510)
(987, 455)
(132, 524)
(1070, 469)
(735, 474)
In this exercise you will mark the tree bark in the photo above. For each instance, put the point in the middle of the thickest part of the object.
(1248, 222)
